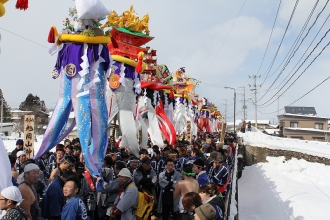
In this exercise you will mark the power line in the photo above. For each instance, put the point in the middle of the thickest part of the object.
(272, 63)
(226, 36)
(297, 47)
(299, 68)
(271, 33)
(24, 38)
(301, 96)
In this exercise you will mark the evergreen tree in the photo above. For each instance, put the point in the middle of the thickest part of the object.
(6, 109)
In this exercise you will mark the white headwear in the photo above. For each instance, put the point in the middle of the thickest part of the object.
(12, 193)
(20, 153)
(30, 166)
(27, 168)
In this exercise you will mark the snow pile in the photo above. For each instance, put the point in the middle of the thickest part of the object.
(259, 139)
(279, 189)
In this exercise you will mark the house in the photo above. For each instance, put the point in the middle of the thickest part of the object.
(261, 124)
(303, 123)
(6, 128)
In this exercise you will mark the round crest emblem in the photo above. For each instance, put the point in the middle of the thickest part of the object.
(114, 81)
(70, 70)
(55, 73)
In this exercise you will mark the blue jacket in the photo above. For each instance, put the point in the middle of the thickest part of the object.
(53, 200)
(74, 209)
(202, 178)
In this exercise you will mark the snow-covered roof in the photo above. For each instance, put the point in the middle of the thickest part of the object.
(272, 131)
(6, 124)
(265, 122)
(296, 115)
(19, 111)
(306, 129)
(51, 113)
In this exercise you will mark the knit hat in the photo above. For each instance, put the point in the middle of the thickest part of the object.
(205, 212)
(30, 166)
(214, 155)
(125, 172)
(19, 142)
(12, 193)
(20, 153)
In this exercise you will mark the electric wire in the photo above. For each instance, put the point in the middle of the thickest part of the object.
(299, 68)
(297, 47)
(301, 96)
(286, 29)
(226, 36)
(271, 34)
(24, 38)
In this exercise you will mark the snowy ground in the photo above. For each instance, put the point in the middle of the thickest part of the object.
(294, 189)
(257, 138)
(279, 189)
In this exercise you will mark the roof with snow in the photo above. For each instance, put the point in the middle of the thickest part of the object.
(300, 110)
(260, 122)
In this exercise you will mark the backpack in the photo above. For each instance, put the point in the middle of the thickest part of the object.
(144, 205)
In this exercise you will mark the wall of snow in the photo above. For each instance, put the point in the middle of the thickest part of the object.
(253, 155)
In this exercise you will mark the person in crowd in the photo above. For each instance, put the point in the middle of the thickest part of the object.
(204, 212)
(76, 151)
(143, 153)
(205, 192)
(145, 177)
(21, 158)
(174, 156)
(188, 184)
(68, 149)
(42, 163)
(220, 174)
(243, 127)
(14, 173)
(198, 169)
(79, 170)
(182, 155)
(30, 203)
(155, 160)
(127, 197)
(167, 182)
(161, 163)
(66, 163)
(110, 191)
(10, 199)
(205, 147)
(195, 153)
(91, 197)
(74, 207)
(67, 142)
(54, 159)
(53, 199)
(210, 167)
(132, 164)
(19, 147)
(214, 189)
(249, 126)
(228, 159)
(190, 201)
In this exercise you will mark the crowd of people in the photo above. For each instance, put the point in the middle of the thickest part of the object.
(189, 180)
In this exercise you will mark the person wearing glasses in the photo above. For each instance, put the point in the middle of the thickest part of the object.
(10, 199)
(67, 163)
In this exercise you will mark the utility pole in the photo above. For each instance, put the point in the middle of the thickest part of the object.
(226, 87)
(225, 110)
(255, 88)
(244, 105)
(1, 113)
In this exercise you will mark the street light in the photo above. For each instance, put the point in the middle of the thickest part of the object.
(234, 106)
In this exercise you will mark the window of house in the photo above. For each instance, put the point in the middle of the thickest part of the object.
(319, 126)
(293, 124)
(318, 138)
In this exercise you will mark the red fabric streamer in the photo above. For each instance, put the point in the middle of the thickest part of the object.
(138, 67)
(51, 35)
(22, 4)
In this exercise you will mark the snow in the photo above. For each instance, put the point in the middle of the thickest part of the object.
(257, 138)
(279, 189)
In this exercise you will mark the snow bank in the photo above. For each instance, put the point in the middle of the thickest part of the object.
(259, 139)
(279, 189)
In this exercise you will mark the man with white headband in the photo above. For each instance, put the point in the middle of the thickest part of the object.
(29, 194)
(10, 199)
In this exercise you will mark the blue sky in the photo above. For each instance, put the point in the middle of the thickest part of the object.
(189, 34)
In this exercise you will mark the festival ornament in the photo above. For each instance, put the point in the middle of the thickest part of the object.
(82, 66)
(22, 4)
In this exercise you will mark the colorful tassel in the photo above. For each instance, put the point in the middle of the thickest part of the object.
(138, 67)
(22, 4)
(51, 36)
(171, 95)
